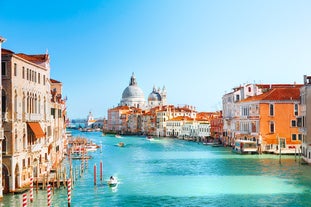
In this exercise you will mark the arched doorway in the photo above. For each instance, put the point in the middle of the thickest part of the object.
(5, 179)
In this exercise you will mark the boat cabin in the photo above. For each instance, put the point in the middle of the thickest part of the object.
(245, 147)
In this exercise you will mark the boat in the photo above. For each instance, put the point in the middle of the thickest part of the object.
(150, 138)
(81, 157)
(245, 147)
(112, 182)
(118, 136)
(121, 144)
(91, 148)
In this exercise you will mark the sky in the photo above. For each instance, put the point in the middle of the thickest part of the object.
(198, 49)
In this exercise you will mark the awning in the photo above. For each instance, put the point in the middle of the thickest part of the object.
(36, 129)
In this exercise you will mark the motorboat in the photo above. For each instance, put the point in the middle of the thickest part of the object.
(245, 147)
(150, 138)
(118, 136)
(112, 182)
(121, 144)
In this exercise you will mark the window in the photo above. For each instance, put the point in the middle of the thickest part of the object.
(53, 112)
(294, 137)
(23, 73)
(3, 68)
(237, 97)
(296, 109)
(300, 137)
(39, 77)
(272, 127)
(299, 122)
(294, 123)
(271, 110)
(15, 69)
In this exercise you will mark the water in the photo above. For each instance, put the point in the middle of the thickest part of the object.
(170, 172)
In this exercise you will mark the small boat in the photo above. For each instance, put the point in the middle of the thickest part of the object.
(112, 182)
(121, 144)
(91, 148)
(118, 136)
(150, 138)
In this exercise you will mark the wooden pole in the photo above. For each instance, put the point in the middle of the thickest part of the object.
(95, 174)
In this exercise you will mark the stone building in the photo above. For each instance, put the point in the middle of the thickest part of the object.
(33, 118)
(1, 126)
(304, 120)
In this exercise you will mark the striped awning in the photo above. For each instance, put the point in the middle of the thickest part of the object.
(36, 129)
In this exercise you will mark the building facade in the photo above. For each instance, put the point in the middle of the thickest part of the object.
(1, 126)
(33, 119)
(304, 121)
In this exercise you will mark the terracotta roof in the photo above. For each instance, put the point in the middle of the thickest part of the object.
(277, 94)
(6, 51)
(39, 58)
(181, 118)
(54, 81)
(34, 58)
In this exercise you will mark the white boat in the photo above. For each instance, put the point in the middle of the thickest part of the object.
(91, 148)
(112, 182)
(245, 147)
(118, 136)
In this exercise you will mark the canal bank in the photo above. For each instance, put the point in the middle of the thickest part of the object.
(169, 172)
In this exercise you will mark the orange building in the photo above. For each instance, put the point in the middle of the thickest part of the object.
(273, 115)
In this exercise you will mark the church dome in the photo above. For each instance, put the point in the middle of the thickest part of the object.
(133, 95)
(154, 96)
(132, 92)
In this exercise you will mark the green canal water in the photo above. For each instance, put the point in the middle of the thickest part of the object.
(170, 172)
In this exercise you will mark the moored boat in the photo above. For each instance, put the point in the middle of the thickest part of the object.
(245, 147)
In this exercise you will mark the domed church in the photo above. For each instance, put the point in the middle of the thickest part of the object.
(133, 96)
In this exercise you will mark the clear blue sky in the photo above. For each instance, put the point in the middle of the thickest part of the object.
(198, 49)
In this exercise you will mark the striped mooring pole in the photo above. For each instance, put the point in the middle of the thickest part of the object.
(69, 191)
(49, 194)
(25, 200)
(31, 189)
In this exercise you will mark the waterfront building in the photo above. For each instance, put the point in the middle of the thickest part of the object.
(57, 130)
(271, 115)
(1, 126)
(33, 119)
(304, 120)
(170, 111)
(216, 122)
(148, 125)
(117, 118)
(174, 125)
(230, 100)
(134, 122)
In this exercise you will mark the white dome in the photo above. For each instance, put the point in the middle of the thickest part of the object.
(133, 95)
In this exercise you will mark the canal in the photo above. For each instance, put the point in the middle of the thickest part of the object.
(169, 172)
